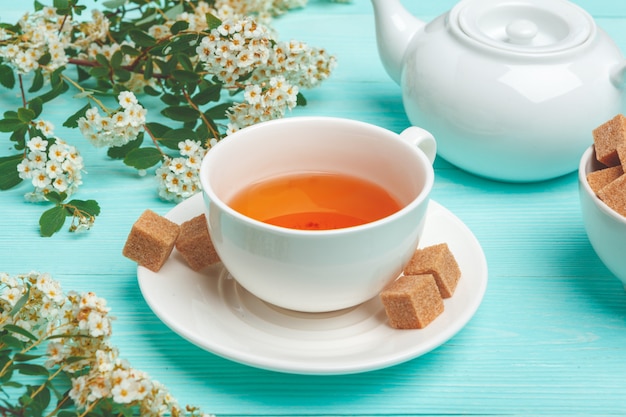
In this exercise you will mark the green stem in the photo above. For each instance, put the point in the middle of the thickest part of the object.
(42, 386)
(154, 139)
(202, 116)
(22, 92)
(83, 90)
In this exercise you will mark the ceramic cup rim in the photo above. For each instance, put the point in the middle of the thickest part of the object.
(584, 168)
(423, 194)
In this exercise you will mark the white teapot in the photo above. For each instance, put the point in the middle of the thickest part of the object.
(511, 89)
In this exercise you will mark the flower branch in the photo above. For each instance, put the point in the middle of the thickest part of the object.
(61, 342)
(214, 68)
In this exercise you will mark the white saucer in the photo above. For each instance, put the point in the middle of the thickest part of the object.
(212, 311)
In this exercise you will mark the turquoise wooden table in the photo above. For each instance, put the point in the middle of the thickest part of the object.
(548, 339)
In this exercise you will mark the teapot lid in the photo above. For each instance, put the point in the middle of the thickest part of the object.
(523, 26)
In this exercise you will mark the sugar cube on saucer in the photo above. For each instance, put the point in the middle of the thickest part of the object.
(412, 301)
(439, 261)
(195, 245)
(151, 240)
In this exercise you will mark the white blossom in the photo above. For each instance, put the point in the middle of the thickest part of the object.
(116, 129)
(51, 166)
(179, 178)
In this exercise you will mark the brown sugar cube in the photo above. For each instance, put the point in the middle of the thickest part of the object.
(438, 261)
(621, 154)
(194, 244)
(614, 195)
(151, 240)
(607, 138)
(599, 179)
(412, 301)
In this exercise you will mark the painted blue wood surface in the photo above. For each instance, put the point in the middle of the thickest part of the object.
(549, 337)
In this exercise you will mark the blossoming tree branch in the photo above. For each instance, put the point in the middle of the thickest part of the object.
(214, 66)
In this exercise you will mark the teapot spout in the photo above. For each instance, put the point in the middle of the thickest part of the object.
(395, 28)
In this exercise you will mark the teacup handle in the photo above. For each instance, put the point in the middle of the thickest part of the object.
(422, 139)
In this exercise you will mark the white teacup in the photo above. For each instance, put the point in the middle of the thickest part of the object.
(318, 270)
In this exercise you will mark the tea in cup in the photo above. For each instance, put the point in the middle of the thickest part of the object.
(317, 214)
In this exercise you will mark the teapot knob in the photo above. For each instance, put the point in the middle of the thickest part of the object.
(521, 31)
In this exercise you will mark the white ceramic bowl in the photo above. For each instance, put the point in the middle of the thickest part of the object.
(606, 228)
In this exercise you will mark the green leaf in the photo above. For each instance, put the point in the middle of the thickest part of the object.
(55, 77)
(17, 329)
(56, 197)
(7, 77)
(212, 21)
(73, 359)
(143, 158)
(170, 99)
(51, 221)
(141, 38)
(157, 129)
(203, 131)
(9, 177)
(148, 17)
(218, 112)
(45, 59)
(114, 4)
(172, 138)
(129, 50)
(31, 369)
(103, 60)
(19, 137)
(25, 115)
(10, 125)
(116, 59)
(11, 342)
(89, 207)
(5, 358)
(174, 12)
(38, 81)
(69, 414)
(23, 357)
(179, 26)
(183, 43)
(151, 91)
(186, 76)
(20, 303)
(148, 69)
(56, 91)
(26, 401)
(185, 63)
(120, 152)
(36, 105)
(161, 50)
(40, 399)
(79, 9)
(82, 73)
(123, 75)
(180, 113)
(72, 121)
(300, 100)
(210, 93)
(61, 4)
(99, 72)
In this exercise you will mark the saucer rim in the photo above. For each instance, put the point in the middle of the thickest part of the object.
(180, 325)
